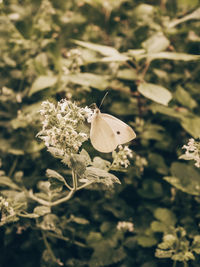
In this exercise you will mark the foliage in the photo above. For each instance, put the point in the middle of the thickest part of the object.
(95, 209)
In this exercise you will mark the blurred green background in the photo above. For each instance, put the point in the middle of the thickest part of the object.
(146, 54)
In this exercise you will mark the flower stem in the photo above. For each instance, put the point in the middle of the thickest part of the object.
(74, 178)
(48, 247)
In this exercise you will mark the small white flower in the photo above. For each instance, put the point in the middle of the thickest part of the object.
(120, 158)
(125, 226)
(192, 151)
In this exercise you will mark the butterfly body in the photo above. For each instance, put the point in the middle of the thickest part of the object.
(107, 132)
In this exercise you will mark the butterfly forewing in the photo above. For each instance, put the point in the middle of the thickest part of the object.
(123, 132)
(102, 135)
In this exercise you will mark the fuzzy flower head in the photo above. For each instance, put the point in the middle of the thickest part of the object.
(192, 151)
(120, 158)
(64, 126)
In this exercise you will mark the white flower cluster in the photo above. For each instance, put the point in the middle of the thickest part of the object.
(192, 152)
(63, 125)
(120, 158)
(6, 210)
(140, 162)
(125, 226)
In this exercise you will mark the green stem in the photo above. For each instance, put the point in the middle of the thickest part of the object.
(50, 204)
(12, 167)
(68, 186)
(66, 239)
(61, 200)
(174, 264)
(84, 185)
(74, 178)
(48, 247)
(146, 67)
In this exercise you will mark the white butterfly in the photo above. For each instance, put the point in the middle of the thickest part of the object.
(107, 132)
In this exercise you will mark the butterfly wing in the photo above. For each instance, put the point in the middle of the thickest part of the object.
(102, 136)
(122, 131)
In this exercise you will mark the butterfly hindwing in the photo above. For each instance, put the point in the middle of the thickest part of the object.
(123, 132)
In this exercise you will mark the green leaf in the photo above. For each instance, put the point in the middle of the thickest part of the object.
(101, 163)
(155, 92)
(41, 210)
(56, 180)
(41, 83)
(121, 108)
(127, 74)
(196, 244)
(166, 216)
(157, 162)
(184, 98)
(102, 49)
(170, 56)
(191, 125)
(6, 181)
(156, 43)
(101, 176)
(163, 253)
(146, 241)
(153, 132)
(78, 163)
(194, 15)
(86, 157)
(150, 189)
(93, 238)
(157, 226)
(49, 222)
(116, 58)
(104, 255)
(185, 177)
(53, 174)
(172, 112)
(78, 220)
(88, 79)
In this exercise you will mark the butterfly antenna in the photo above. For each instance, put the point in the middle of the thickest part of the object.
(103, 99)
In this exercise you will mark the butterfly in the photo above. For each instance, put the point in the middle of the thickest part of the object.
(107, 132)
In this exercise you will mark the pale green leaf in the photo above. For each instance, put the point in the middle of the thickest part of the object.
(150, 189)
(157, 162)
(146, 241)
(156, 43)
(6, 181)
(165, 215)
(155, 92)
(157, 226)
(166, 111)
(101, 176)
(102, 49)
(194, 15)
(184, 98)
(185, 177)
(53, 174)
(89, 79)
(115, 58)
(127, 74)
(191, 125)
(42, 210)
(101, 163)
(171, 56)
(41, 83)
(78, 220)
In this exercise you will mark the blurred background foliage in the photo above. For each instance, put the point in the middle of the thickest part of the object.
(146, 54)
